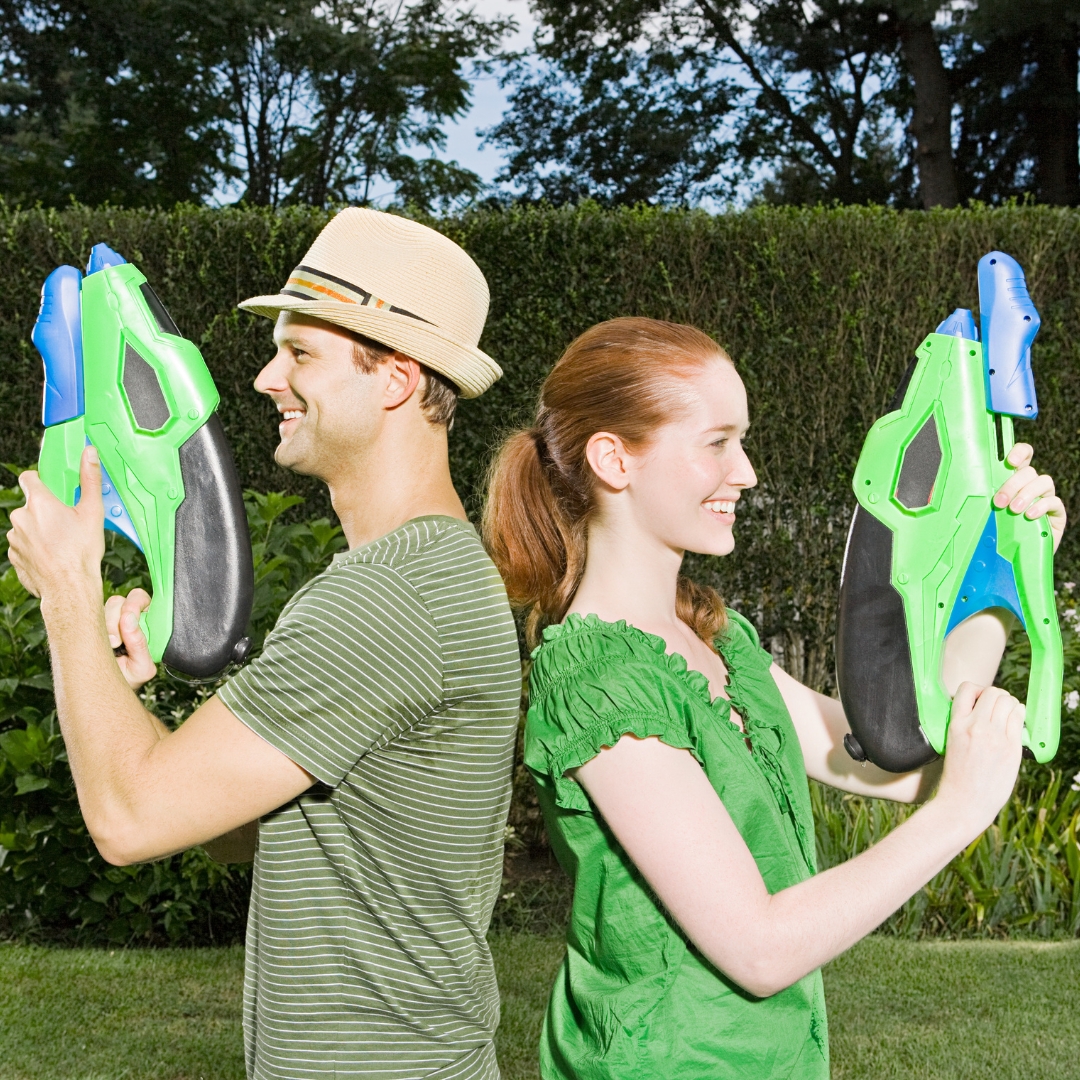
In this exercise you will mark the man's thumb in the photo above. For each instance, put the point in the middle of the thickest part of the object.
(90, 482)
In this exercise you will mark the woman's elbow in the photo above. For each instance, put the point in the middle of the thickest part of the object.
(759, 972)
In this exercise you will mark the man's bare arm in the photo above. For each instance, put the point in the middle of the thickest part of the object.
(145, 792)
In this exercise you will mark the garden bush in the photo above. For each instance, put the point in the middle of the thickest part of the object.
(821, 310)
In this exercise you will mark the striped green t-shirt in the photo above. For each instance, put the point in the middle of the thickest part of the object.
(394, 679)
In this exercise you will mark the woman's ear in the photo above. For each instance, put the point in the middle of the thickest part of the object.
(609, 459)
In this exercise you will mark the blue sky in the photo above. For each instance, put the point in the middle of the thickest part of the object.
(489, 101)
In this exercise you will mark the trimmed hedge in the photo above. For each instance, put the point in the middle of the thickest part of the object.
(820, 309)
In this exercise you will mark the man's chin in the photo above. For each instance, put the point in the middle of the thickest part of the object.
(288, 457)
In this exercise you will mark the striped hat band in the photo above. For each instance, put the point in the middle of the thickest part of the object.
(307, 283)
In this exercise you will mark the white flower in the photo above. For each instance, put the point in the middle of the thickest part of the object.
(1068, 586)
(1076, 782)
(1072, 699)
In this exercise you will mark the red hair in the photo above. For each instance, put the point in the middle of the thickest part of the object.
(624, 376)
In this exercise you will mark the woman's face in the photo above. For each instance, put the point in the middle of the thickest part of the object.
(683, 488)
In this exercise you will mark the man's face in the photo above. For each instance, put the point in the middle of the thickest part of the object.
(330, 411)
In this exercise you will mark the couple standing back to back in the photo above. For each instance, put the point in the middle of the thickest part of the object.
(364, 757)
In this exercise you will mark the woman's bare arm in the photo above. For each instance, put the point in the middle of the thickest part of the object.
(973, 652)
(667, 816)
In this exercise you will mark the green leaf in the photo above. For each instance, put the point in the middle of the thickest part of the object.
(26, 747)
(41, 681)
(27, 782)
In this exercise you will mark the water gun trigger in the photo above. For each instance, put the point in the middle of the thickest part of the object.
(119, 375)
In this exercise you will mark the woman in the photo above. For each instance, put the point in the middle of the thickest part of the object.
(671, 754)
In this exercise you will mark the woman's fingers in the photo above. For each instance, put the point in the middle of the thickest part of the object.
(1020, 455)
(1031, 494)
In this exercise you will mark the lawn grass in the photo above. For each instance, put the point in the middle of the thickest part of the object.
(897, 1011)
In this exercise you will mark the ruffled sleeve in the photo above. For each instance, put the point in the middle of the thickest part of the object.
(593, 682)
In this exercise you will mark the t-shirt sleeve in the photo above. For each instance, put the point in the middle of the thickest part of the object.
(353, 662)
(597, 707)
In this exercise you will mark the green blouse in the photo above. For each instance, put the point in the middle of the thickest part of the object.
(634, 999)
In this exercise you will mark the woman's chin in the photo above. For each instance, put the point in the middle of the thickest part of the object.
(722, 544)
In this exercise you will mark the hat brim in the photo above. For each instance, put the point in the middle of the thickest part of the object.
(470, 369)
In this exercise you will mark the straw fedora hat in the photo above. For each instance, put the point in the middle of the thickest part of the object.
(399, 283)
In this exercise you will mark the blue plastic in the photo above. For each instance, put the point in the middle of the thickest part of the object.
(961, 322)
(58, 337)
(101, 255)
(989, 581)
(116, 515)
(1009, 325)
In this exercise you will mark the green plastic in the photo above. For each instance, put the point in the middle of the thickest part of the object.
(144, 466)
(934, 544)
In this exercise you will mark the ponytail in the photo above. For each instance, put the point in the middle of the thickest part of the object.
(538, 547)
(625, 376)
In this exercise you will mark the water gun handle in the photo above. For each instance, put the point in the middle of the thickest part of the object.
(1029, 547)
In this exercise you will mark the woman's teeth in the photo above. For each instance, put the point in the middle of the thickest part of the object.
(721, 506)
(292, 414)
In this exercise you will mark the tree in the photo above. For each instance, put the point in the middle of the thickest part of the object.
(1015, 71)
(932, 107)
(106, 102)
(332, 98)
(628, 128)
(802, 89)
(147, 102)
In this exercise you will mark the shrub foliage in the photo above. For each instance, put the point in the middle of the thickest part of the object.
(820, 309)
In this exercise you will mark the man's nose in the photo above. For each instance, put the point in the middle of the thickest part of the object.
(272, 379)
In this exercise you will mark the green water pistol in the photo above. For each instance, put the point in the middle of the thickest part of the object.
(927, 548)
(119, 375)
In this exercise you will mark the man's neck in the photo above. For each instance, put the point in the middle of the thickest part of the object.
(404, 478)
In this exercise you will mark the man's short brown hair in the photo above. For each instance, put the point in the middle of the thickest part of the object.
(439, 397)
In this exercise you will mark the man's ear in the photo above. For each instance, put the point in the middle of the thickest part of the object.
(609, 459)
(403, 377)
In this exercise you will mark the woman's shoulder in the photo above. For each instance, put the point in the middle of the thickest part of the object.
(591, 682)
(585, 649)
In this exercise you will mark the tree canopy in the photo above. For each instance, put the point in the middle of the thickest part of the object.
(274, 102)
(907, 102)
(149, 102)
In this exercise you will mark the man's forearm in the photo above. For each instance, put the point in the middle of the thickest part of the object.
(107, 731)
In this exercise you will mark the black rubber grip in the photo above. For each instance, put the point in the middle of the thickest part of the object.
(873, 660)
(214, 579)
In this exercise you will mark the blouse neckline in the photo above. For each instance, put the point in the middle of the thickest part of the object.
(676, 662)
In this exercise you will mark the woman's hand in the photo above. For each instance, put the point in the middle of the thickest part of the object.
(122, 622)
(982, 755)
(1028, 493)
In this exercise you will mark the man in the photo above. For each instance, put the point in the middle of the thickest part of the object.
(371, 741)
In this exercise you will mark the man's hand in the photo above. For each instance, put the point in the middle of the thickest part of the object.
(122, 623)
(1026, 492)
(52, 544)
